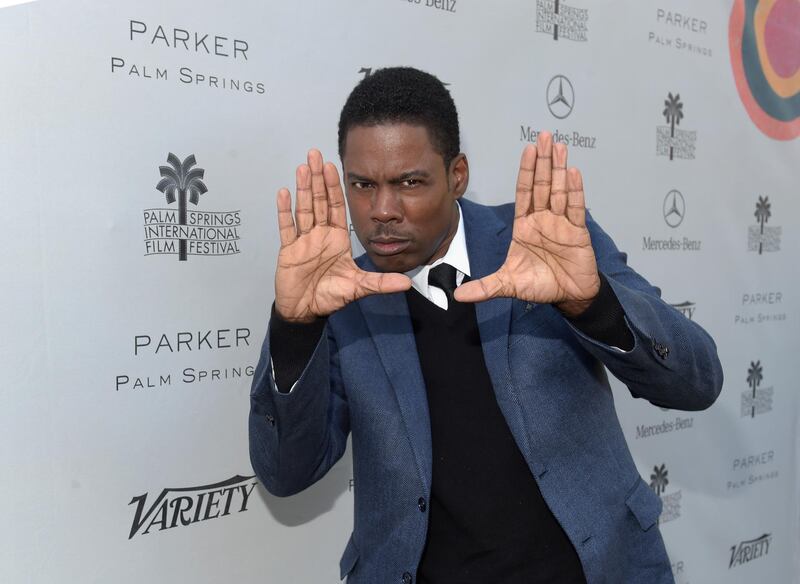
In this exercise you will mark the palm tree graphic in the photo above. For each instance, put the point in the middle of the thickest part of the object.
(658, 479)
(755, 375)
(762, 216)
(181, 177)
(673, 112)
(555, 24)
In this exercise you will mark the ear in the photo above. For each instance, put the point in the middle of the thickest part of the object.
(458, 173)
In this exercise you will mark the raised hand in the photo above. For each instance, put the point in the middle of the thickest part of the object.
(550, 259)
(316, 274)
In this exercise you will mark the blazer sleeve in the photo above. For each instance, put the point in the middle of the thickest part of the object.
(674, 362)
(296, 437)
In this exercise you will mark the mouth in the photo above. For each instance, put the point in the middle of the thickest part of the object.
(388, 246)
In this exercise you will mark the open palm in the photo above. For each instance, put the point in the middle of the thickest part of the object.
(550, 259)
(316, 274)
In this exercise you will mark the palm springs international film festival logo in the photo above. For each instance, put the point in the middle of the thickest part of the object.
(750, 550)
(674, 208)
(184, 506)
(183, 231)
(659, 479)
(757, 399)
(555, 18)
(762, 237)
(670, 140)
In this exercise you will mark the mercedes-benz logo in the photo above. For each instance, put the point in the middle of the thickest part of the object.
(560, 97)
(674, 208)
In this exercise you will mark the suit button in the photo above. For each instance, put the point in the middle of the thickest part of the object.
(661, 350)
(422, 504)
(407, 579)
(271, 419)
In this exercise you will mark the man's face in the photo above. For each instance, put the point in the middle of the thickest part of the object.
(402, 206)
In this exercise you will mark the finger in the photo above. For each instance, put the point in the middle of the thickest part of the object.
(319, 195)
(576, 203)
(380, 283)
(286, 226)
(303, 211)
(338, 211)
(486, 288)
(527, 165)
(543, 174)
(558, 190)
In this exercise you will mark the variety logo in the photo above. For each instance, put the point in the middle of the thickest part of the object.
(659, 479)
(184, 506)
(670, 140)
(184, 232)
(558, 20)
(560, 97)
(761, 237)
(750, 550)
(757, 399)
(763, 37)
(685, 308)
(674, 208)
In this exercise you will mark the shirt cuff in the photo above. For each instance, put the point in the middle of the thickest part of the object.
(291, 346)
(604, 320)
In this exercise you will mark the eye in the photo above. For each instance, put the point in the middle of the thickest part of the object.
(360, 184)
(411, 182)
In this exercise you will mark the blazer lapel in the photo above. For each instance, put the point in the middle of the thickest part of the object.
(389, 324)
(488, 239)
(487, 244)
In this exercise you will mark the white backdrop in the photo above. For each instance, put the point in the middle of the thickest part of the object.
(125, 372)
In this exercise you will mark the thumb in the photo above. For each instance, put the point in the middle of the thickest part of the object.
(368, 283)
(486, 288)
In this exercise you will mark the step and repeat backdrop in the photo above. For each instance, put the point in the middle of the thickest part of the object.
(141, 146)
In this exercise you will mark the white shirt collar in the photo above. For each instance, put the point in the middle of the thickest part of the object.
(456, 256)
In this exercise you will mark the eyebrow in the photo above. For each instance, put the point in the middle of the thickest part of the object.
(418, 173)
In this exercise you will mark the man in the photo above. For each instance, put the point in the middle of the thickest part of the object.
(465, 352)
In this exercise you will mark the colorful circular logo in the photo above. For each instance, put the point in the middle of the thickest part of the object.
(764, 38)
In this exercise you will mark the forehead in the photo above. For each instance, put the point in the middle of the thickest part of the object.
(389, 149)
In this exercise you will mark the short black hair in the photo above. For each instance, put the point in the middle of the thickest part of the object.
(404, 95)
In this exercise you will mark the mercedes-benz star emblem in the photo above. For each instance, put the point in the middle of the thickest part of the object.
(674, 208)
(560, 97)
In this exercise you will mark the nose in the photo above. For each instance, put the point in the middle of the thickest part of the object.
(386, 207)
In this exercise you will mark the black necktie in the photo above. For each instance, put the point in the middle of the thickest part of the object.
(444, 276)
